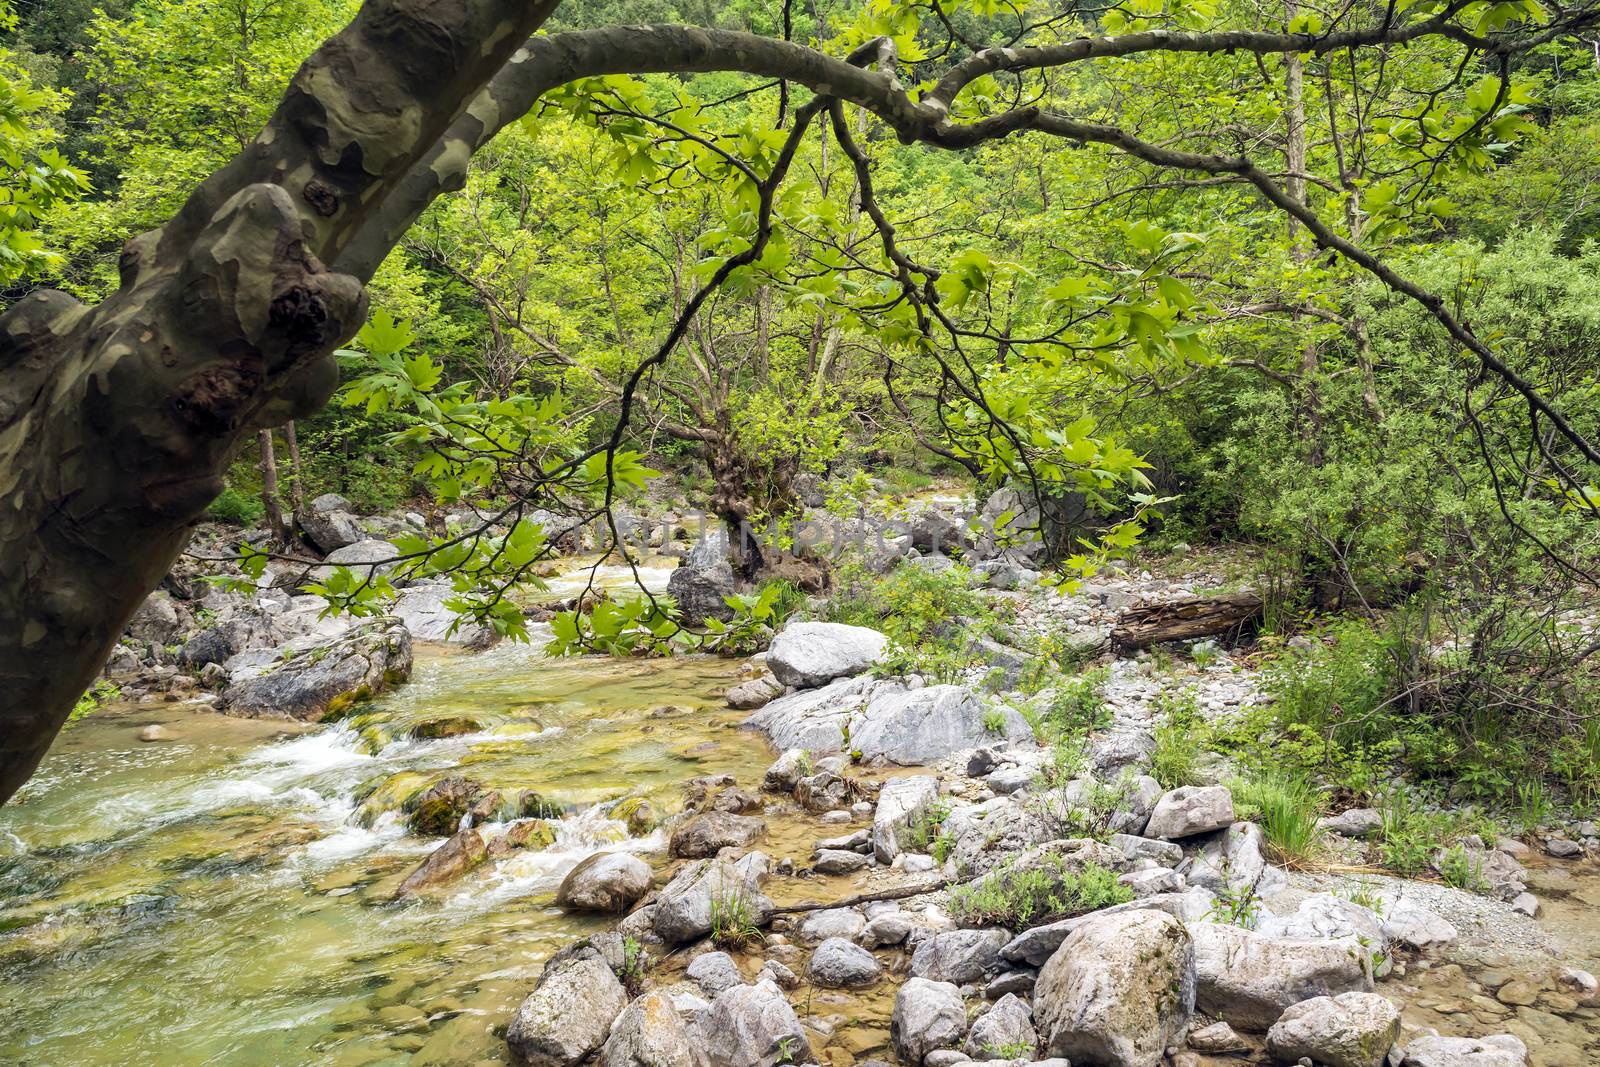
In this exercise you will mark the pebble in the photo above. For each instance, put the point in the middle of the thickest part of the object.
(155, 732)
(1562, 849)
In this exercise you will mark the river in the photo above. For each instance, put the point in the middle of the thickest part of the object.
(225, 897)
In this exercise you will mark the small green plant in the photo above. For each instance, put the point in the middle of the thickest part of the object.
(1179, 738)
(994, 721)
(942, 847)
(1237, 905)
(634, 964)
(923, 829)
(99, 695)
(1287, 808)
(1462, 870)
(733, 920)
(1076, 707)
(1204, 653)
(1028, 891)
(1534, 808)
(1015, 1050)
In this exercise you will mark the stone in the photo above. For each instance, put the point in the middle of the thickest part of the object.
(1248, 979)
(787, 771)
(1526, 904)
(959, 956)
(708, 833)
(682, 909)
(774, 971)
(885, 931)
(1518, 992)
(569, 1014)
(902, 802)
(1496, 1050)
(422, 608)
(1324, 917)
(820, 926)
(1354, 822)
(810, 654)
(1008, 780)
(753, 693)
(155, 621)
(920, 726)
(1165, 853)
(838, 861)
(1151, 881)
(1349, 1030)
(325, 680)
(1190, 810)
(1037, 945)
(439, 809)
(156, 732)
(605, 881)
(1408, 923)
(1582, 985)
(1562, 849)
(1234, 859)
(841, 964)
(714, 972)
(329, 530)
(651, 1033)
(928, 1015)
(1005, 1031)
(753, 1026)
(816, 720)
(702, 582)
(822, 792)
(445, 864)
(1218, 1038)
(1119, 991)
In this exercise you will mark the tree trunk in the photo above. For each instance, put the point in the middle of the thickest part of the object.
(117, 421)
(1144, 625)
(297, 495)
(269, 489)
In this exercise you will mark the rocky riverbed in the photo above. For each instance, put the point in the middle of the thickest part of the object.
(494, 858)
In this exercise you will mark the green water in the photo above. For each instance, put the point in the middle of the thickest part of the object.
(224, 898)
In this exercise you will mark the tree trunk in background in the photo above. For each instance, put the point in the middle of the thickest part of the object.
(117, 421)
(269, 489)
(297, 495)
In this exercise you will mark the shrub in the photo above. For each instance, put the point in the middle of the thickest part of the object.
(733, 920)
(1019, 895)
(1179, 738)
(1076, 707)
(1286, 807)
(237, 508)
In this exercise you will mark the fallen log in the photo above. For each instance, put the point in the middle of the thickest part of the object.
(1143, 625)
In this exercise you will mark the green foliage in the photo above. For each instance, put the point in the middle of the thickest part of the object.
(1180, 735)
(733, 920)
(1460, 869)
(1075, 707)
(99, 695)
(1022, 893)
(237, 508)
(1286, 807)
(926, 615)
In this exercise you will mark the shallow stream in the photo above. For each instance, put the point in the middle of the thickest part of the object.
(225, 897)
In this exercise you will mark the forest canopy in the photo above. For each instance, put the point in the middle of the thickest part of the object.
(1322, 280)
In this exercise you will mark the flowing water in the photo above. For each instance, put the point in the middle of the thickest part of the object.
(224, 898)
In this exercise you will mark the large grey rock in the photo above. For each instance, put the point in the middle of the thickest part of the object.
(920, 726)
(1190, 810)
(331, 526)
(1234, 859)
(959, 956)
(710, 832)
(1496, 1050)
(928, 1015)
(1349, 1030)
(1248, 979)
(787, 771)
(606, 881)
(1005, 1031)
(651, 1033)
(815, 720)
(1037, 945)
(422, 608)
(902, 802)
(809, 654)
(754, 1026)
(327, 679)
(701, 584)
(1324, 917)
(1119, 991)
(154, 622)
(569, 1014)
(370, 556)
(841, 964)
(683, 907)
(838, 861)
(1405, 922)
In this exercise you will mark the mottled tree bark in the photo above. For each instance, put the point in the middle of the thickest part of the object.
(117, 421)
